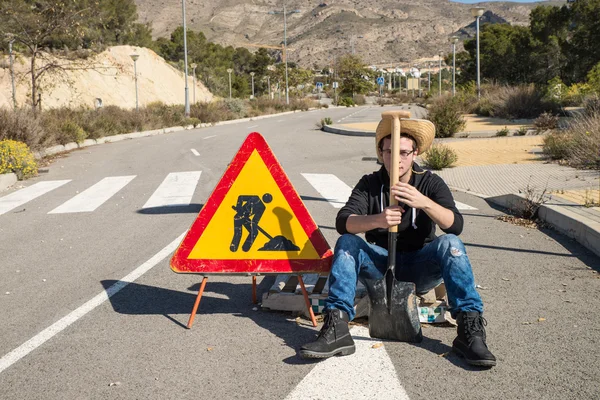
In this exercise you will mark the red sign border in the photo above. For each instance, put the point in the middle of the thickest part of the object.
(180, 262)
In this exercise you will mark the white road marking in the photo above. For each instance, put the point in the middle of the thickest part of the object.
(176, 190)
(253, 126)
(195, 152)
(27, 194)
(463, 206)
(367, 374)
(334, 190)
(208, 137)
(94, 196)
(57, 327)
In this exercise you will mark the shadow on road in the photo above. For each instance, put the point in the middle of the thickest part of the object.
(186, 209)
(234, 299)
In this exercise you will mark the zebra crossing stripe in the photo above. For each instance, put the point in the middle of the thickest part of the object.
(368, 374)
(27, 194)
(332, 188)
(463, 206)
(336, 192)
(94, 196)
(176, 190)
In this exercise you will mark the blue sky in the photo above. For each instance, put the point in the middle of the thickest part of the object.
(489, 1)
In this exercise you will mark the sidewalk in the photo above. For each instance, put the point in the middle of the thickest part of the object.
(505, 170)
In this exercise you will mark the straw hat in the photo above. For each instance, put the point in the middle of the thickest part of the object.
(422, 130)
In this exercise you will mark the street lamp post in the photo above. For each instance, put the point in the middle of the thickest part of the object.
(185, 61)
(229, 71)
(252, 75)
(194, 65)
(440, 74)
(453, 40)
(429, 76)
(135, 57)
(477, 12)
(11, 40)
(287, 95)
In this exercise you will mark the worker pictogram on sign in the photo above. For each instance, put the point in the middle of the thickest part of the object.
(253, 223)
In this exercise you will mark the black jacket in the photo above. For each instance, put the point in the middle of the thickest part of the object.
(366, 199)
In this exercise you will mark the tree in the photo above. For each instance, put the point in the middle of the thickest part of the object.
(585, 23)
(351, 72)
(549, 29)
(36, 24)
(505, 53)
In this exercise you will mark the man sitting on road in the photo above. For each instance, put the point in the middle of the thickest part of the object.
(425, 201)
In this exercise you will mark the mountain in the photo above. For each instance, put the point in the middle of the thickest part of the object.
(380, 31)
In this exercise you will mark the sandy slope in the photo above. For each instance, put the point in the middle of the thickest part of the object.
(109, 76)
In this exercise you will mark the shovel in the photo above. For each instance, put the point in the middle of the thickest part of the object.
(393, 313)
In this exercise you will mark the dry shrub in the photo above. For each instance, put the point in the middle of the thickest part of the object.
(584, 148)
(545, 122)
(211, 112)
(23, 126)
(360, 100)
(514, 102)
(556, 145)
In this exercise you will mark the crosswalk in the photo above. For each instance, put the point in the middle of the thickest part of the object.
(177, 189)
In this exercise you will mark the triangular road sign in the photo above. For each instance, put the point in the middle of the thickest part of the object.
(253, 223)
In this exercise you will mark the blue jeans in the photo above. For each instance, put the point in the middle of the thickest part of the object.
(443, 259)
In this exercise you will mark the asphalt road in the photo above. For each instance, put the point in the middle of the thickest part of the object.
(60, 339)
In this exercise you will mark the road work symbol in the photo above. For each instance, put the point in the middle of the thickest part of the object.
(249, 210)
(253, 222)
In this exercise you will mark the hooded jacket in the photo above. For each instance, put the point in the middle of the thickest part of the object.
(371, 196)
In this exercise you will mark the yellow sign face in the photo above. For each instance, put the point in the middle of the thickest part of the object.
(254, 222)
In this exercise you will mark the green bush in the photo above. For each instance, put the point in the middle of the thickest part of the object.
(238, 107)
(445, 113)
(522, 131)
(71, 132)
(17, 157)
(346, 101)
(440, 156)
(502, 132)
(326, 121)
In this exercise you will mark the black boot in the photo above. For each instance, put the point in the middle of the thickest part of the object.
(333, 339)
(470, 342)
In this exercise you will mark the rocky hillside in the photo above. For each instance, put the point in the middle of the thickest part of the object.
(108, 76)
(381, 31)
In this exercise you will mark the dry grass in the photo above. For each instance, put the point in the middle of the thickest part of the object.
(514, 102)
(64, 125)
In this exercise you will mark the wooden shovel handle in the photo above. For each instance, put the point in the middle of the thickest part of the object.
(395, 163)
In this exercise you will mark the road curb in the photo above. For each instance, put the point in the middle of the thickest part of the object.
(573, 225)
(7, 180)
(347, 132)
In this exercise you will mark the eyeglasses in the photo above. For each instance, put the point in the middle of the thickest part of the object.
(403, 154)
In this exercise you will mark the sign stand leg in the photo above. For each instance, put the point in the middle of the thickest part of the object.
(307, 301)
(197, 303)
(254, 290)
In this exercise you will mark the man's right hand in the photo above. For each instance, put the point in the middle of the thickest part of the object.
(391, 216)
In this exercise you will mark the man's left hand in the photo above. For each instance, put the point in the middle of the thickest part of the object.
(409, 195)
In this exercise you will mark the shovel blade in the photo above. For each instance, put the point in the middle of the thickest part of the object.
(393, 316)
